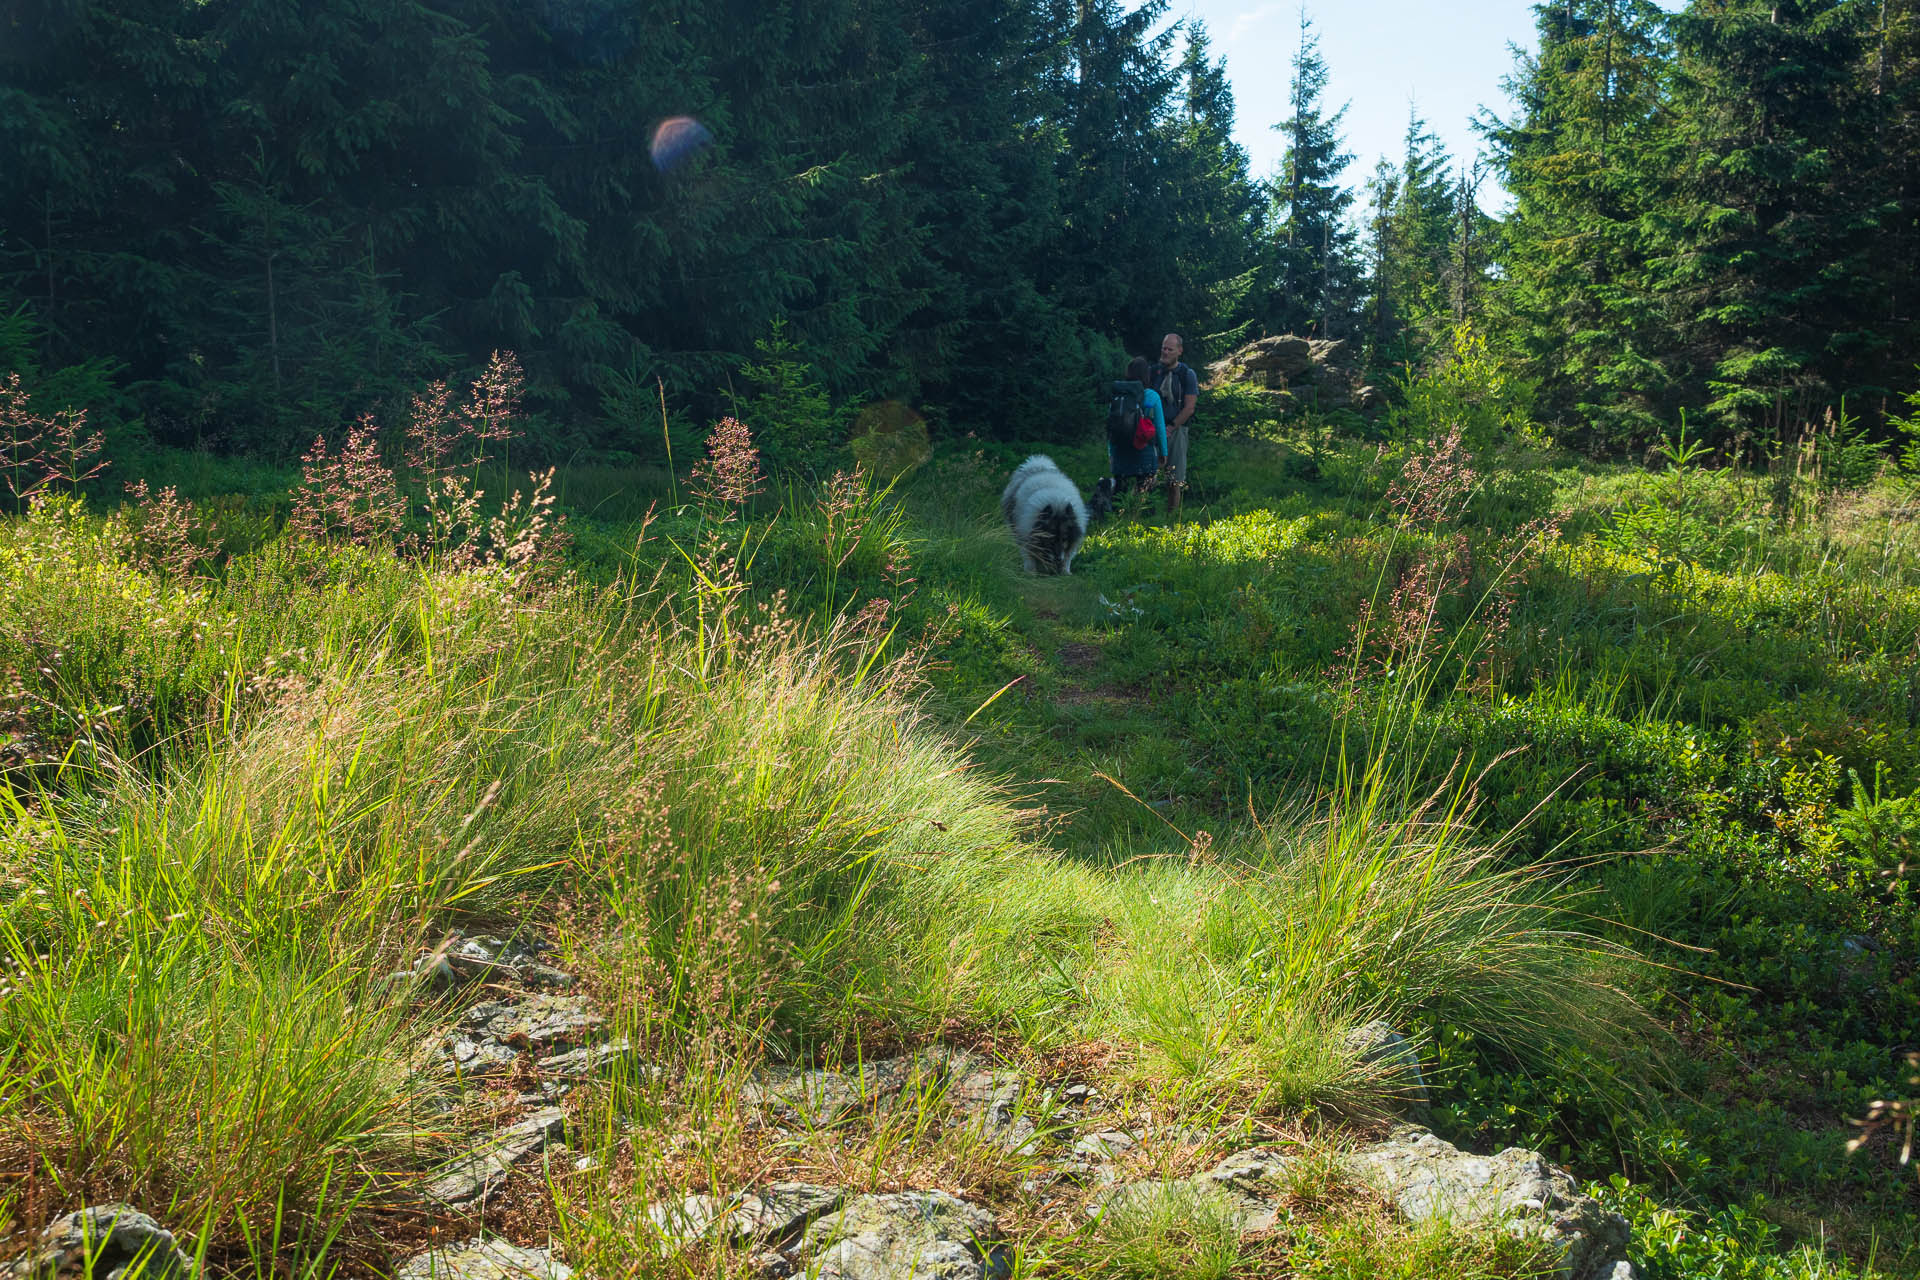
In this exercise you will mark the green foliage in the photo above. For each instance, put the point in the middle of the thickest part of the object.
(1908, 453)
(1846, 452)
(793, 421)
(890, 440)
(1310, 284)
(1707, 214)
(1668, 526)
(1237, 410)
(267, 258)
(1725, 1244)
(339, 753)
(1703, 713)
(1472, 391)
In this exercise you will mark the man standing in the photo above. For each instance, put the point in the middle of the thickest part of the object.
(1179, 390)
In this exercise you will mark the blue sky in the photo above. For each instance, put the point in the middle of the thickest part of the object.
(1446, 59)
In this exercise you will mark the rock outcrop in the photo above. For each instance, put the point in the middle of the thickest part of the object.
(1425, 1178)
(103, 1242)
(1074, 1147)
(1293, 373)
(483, 1260)
(925, 1235)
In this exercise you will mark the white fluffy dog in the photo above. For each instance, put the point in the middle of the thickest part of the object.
(1046, 514)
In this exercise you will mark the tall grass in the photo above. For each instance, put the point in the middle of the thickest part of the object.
(750, 838)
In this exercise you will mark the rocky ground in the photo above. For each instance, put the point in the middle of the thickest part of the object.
(525, 1024)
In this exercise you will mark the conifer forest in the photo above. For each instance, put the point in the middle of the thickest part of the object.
(270, 216)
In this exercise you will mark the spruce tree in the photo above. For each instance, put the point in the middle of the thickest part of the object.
(1218, 209)
(1117, 264)
(1311, 245)
(986, 349)
(1421, 227)
(1775, 242)
(1588, 159)
(1894, 83)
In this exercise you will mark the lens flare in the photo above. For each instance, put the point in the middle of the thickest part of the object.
(890, 439)
(677, 140)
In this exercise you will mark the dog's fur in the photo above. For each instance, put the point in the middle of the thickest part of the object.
(1100, 505)
(1046, 514)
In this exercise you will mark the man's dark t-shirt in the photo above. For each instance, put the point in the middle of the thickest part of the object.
(1174, 386)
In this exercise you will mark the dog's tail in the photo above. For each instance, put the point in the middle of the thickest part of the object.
(1056, 532)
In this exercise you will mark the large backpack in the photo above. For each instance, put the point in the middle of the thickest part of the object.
(1126, 414)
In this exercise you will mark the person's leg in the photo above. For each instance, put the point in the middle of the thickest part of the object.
(1177, 464)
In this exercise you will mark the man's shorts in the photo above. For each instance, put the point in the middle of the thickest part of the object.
(1177, 453)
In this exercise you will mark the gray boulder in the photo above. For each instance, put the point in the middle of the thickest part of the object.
(543, 1022)
(769, 1214)
(1426, 1178)
(483, 1260)
(103, 1242)
(466, 1057)
(820, 1097)
(1287, 371)
(1283, 354)
(481, 1171)
(911, 1235)
(590, 1060)
(1380, 1045)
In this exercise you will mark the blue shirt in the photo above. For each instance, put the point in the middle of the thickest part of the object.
(1145, 460)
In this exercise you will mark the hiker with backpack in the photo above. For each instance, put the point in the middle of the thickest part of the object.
(1136, 430)
(1179, 390)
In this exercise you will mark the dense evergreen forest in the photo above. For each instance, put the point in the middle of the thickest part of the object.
(259, 218)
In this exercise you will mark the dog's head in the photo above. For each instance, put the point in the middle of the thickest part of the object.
(1100, 505)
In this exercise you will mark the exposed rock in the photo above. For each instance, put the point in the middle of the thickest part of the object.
(460, 960)
(1379, 1044)
(588, 1060)
(818, 1097)
(478, 1016)
(103, 1242)
(1288, 371)
(1105, 1144)
(1426, 1177)
(480, 1172)
(1328, 351)
(1020, 1136)
(1283, 354)
(1251, 1181)
(992, 1094)
(770, 1214)
(541, 1022)
(998, 1103)
(910, 1235)
(483, 959)
(476, 1058)
(768, 1265)
(483, 1260)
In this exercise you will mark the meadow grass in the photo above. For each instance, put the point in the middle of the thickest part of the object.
(832, 779)
(249, 799)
